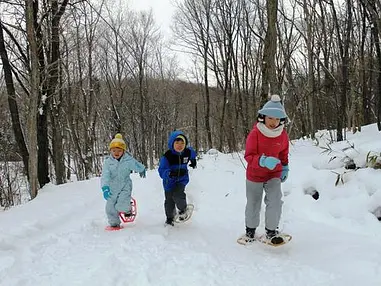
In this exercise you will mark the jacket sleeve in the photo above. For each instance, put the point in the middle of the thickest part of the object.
(193, 154)
(132, 164)
(137, 166)
(106, 176)
(164, 168)
(251, 151)
(283, 155)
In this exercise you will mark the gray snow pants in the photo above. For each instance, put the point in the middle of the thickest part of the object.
(273, 201)
(118, 203)
(175, 198)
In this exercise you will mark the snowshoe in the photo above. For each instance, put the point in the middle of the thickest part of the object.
(274, 237)
(113, 228)
(130, 216)
(277, 240)
(185, 215)
(245, 239)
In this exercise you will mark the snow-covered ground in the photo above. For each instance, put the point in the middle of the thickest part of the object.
(59, 238)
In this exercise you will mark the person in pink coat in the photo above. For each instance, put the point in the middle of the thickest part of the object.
(267, 147)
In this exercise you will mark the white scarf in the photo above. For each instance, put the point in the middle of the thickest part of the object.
(271, 133)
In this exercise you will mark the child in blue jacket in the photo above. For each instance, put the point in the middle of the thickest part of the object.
(116, 182)
(173, 169)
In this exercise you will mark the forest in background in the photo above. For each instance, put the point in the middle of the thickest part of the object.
(74, 73)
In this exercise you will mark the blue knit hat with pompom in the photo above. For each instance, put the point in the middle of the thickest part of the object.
(273, 108)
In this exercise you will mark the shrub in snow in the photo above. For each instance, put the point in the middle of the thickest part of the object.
(340, 177)
(373, 160)
(347, 157)
(342, 157)
(13, 184)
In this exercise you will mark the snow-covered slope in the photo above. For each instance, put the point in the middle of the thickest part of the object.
(59, 238)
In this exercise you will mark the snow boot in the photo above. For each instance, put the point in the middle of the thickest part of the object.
(183, 215)
(273, 236)
(170, 222)
(250, 235)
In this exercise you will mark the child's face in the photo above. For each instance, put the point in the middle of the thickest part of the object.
(179, 145)
(117, 152)
(271, 122)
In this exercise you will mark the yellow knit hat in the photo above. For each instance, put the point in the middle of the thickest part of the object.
(182, 137)
(118, 142)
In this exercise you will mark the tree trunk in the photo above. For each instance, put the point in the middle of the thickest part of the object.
(43, 147)
(13, 107)
(57, 142)
(142, 98)
(363, 79)
(376, 21)
(269, 79)
(43, 101)
(57, 146)
(311, 81)
(195, 127)
(343, 45)
(207, 98)
(34, 94)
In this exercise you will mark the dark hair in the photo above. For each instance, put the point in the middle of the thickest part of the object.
(261, 118)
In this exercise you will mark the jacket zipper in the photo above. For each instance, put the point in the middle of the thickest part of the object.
(178, 170)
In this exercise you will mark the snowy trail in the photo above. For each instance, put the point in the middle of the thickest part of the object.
(59, 239)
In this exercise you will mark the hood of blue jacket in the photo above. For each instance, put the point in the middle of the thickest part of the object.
(172, 138)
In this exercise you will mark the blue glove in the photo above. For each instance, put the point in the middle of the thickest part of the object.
(268, 162)
(142, 174)
(106, 192)
(284, 175)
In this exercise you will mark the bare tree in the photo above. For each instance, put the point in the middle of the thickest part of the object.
(13, 106)
(225, 29)
(34, 95)
(115, 64)
(192, 27)
(143, 36)
(311, 78)
(269, 79)
(53, 75)
(84, 88)
(374, 7)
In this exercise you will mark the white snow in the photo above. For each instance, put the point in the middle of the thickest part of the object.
(59, 238)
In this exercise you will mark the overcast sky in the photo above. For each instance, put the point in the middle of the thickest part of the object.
(162, 9)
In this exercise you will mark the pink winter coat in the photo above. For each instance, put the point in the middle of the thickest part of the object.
(258, 144)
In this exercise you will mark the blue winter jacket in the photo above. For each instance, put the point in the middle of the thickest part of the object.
(116, 174)
(174, 161)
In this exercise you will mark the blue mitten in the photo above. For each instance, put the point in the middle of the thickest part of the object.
(268, 162)
(106, 192)
(284, 175)
(142, 174)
